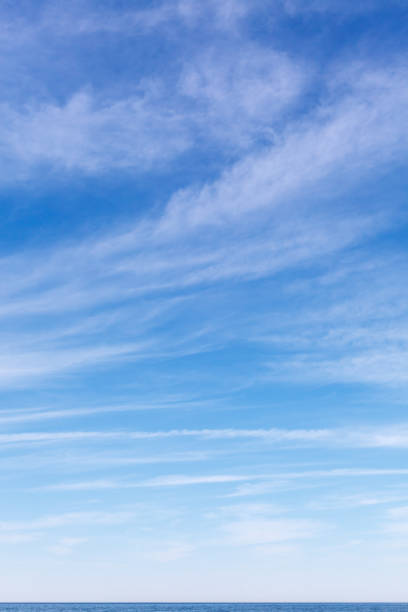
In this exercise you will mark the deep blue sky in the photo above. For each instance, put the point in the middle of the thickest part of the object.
(204, 321)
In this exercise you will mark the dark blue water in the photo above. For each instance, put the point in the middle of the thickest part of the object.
(209, 607)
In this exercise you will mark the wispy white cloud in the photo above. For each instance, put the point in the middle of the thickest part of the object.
(241, 94)
(151, 121)
(182, 480)
(89, 485)
(263, 527)
(69, 518)
(21, 415)
(84, 134)
(360, 500)
(254, 484)
(94, 459)
(65, 546)
(295, 7)
(32, 364)
(400, 512)
(363, 437)
(352, 131)
(260, 531)
(378, 366)
(172, 551)
(89, 18)
(159, 481)
(347, 136)
(17, 538)
(284, 480)
(32, 414)
(396, 525)
(272, 435)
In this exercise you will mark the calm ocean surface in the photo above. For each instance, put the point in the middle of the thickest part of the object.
(210, 607)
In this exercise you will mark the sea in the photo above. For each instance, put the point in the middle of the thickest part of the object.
(204, 607)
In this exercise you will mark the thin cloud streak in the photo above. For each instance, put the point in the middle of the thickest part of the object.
(391, 436)
(180, 480)
(31, 414)
(68, 518)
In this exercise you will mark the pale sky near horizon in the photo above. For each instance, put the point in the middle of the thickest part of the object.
(204, 300)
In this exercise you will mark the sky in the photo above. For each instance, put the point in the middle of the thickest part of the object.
(204, 305)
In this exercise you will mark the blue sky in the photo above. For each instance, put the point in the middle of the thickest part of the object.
(204, 322)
